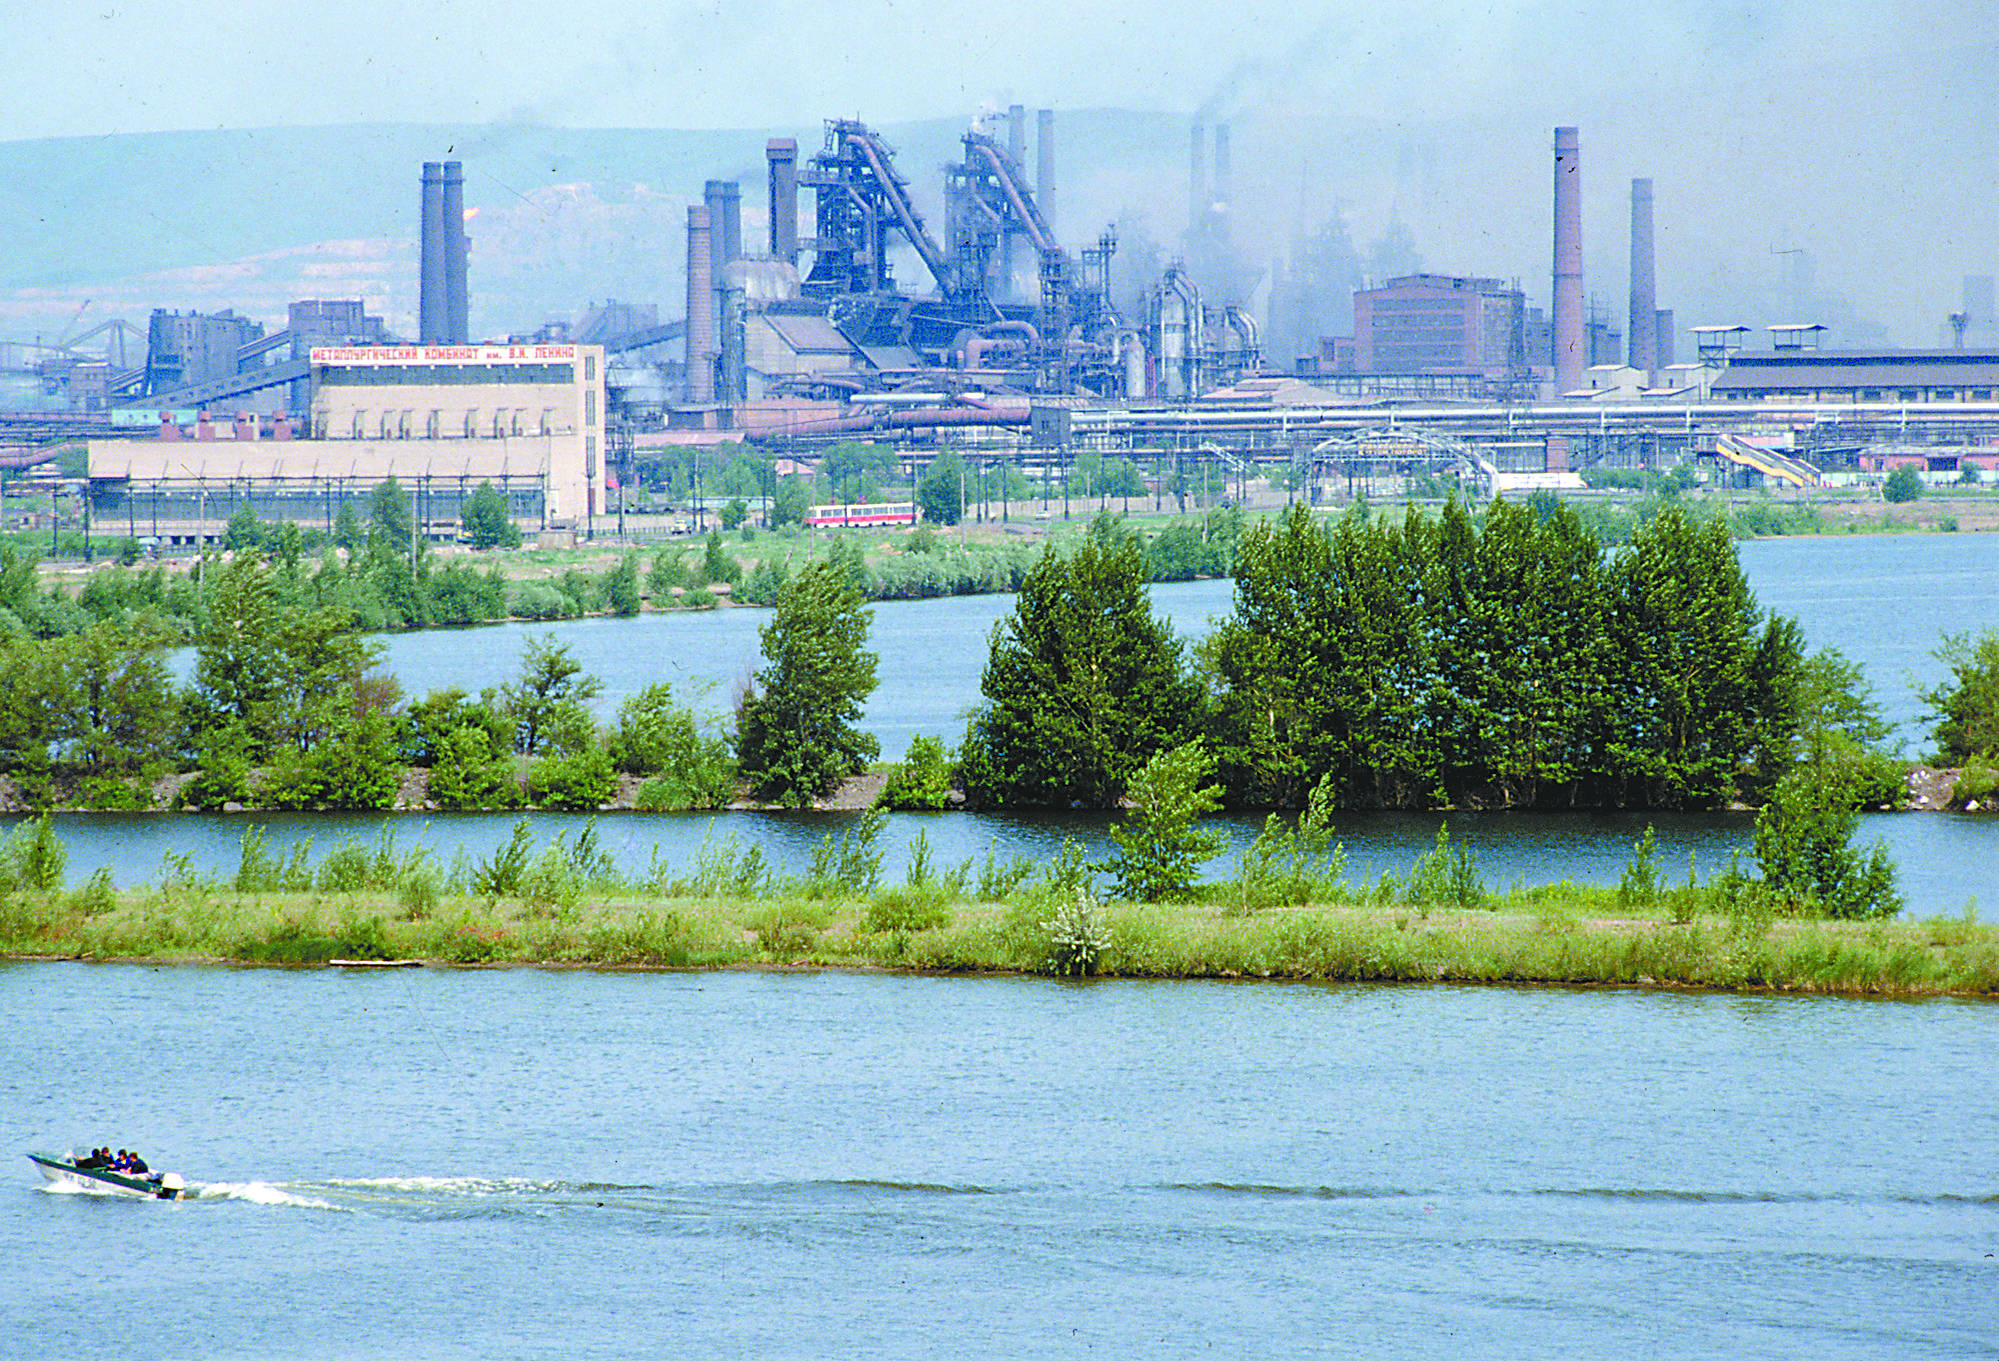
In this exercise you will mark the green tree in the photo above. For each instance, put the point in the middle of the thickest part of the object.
(796, 735)
(621, 586)
(735, 512)
(1322, 670)
(469, 773)
(347, 528)
(1904, 484)
(549, 699)
(921, 781)
(389, 518)
(718, 564)
(791, 503)
(1967, 705)
(1082, 684)
(1804, 849)
(1160, 851)
(1684, 696)
(486, 520)
(244, 530)
(940, 492)
(659, 738)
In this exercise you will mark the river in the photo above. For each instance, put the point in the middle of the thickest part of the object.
(578, 1164)
(1884, 600)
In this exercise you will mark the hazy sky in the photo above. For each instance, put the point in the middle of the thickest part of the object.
(1860, 130)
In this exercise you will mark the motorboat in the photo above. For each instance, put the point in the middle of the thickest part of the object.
(65, 1168)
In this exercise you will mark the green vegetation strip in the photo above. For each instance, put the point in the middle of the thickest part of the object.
(1286, 914)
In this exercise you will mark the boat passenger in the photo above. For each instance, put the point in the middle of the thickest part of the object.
(118, 1162)
(93, 1160)
(136, 1165)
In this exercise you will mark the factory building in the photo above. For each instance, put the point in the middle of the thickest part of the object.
(1435, 323)
(440, 419)
(1898, 378)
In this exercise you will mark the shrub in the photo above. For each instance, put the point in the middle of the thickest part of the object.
(470, 775)
(499, 874)
(921, 780)
(1446, 875)
(658, 737)
(1639, 888)
(584, 780)
(998, 878)
(33, 858)
(1076, 935)
(1903, 484)
(1804, 849)
(850, 864)
(1977, 783)
(1290, 867)
(1159, 850)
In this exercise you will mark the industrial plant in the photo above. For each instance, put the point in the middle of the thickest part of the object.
(994, 327)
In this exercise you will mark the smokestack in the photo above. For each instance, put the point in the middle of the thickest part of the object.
(430, 276)
(700, 308)
(1569, 356)
(723, 202)
(1198, 197)
(1016, 147)
(729, 231)
(1643, 326)
(782, 153)
(1223, 167)
(1662, 337)
(457, 326)
(1044, 165)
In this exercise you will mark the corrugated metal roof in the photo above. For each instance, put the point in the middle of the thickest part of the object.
(1821, 369)
(808, 335)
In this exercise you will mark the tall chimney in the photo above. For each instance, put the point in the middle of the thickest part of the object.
(1570, 357)
(430, 276)
(729, 231)
(1016, 147)
(1223, 167)
(782, 153)
(1198, 198)
(457, 327)
(1044, 165)
(1643, 325)
(700, 308)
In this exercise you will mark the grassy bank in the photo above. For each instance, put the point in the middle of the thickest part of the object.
(1565, 935)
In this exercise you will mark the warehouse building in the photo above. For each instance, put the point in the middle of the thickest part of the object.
(440, 419)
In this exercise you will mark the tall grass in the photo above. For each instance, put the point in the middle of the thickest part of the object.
(1286, 915)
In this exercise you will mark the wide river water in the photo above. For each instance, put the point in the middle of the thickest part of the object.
(523, 1163)
(567, 1164)
(1886, 601)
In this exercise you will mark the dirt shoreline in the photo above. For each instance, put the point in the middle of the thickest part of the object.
(1929, 791)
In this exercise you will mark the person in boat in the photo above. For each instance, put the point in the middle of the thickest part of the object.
(136, 1165)
(96, 1158)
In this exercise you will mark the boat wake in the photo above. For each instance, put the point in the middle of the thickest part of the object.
(256, 1193)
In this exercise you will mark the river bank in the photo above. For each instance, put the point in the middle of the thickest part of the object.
(1560, 935)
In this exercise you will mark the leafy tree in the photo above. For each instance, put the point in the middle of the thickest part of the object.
(442, 712)
(795, 727)
(940, 492)
(735, 512)
(921, 780)
(347, 528)
(244, 530)
(1804, 849)
(1904, 484)
(1159, 849)
(667, 572)
(486, 520)
(658, 737)
(469, 772)
(550, 695)
(1967, 705)
(718, 564)
(1684, 626)
(1321, 670)
(1082, 685)
(389, 518)
(621, 587)
(791, 503)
